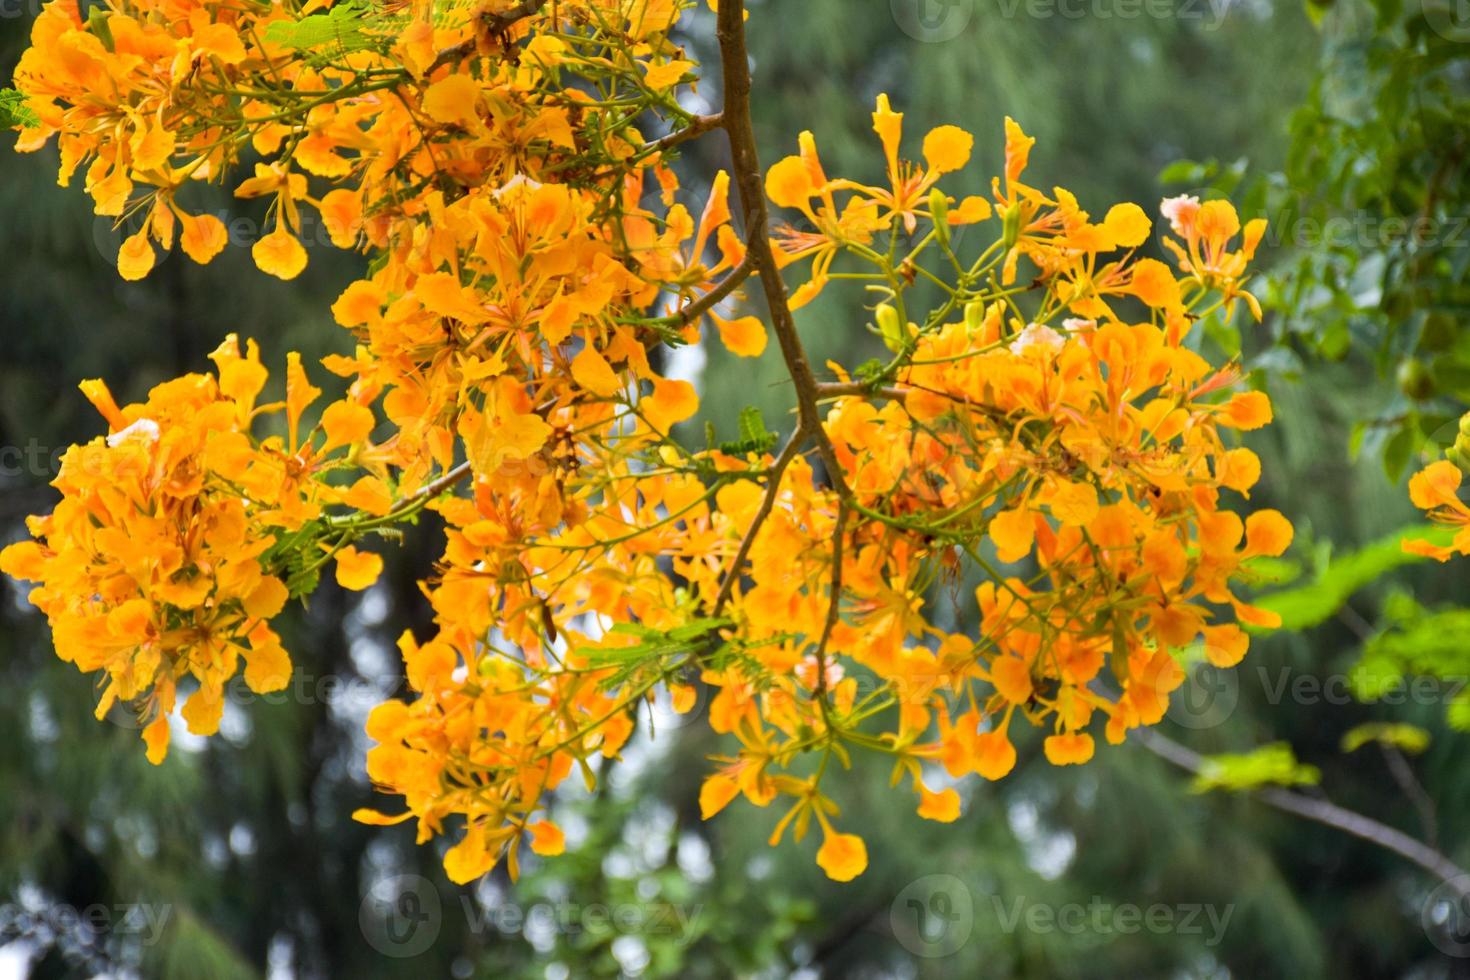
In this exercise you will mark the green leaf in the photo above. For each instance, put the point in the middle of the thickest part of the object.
(1269, 765)
(1311, 604)
(654, 643)
(754, 436)
(14, 112)
(345, 29)
(1395, 734)
(1188, 172)
(1427, 645)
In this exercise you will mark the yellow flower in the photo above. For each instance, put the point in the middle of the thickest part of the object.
(842, 856)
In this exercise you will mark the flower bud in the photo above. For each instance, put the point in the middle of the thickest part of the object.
(1012, 226)
(939, 210)
(889, 327)
(974, 317)
(1458, 455)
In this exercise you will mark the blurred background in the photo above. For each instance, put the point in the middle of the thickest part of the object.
(1346, 122)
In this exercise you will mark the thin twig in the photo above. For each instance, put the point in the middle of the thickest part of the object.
(697, 127)
(834, 601)
(1403, 774)
(426, 492)
(844, 389)
(727, 285)
(768, 502)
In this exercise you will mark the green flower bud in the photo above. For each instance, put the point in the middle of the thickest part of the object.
(1012, 227)
(939, 209)
(890, 328)
(974, 316)
(1457, 455)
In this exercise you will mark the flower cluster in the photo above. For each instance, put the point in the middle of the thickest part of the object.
(153, 567)
(1052, 434)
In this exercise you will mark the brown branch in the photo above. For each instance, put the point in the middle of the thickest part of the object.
(843, 389)
(726, 286)
(491, 24)
(1325, 812)
(768, 502)
(698, 126)
(747, 172)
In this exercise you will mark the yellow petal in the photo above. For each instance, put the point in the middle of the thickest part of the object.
(375, 819)
(203, 710)
(843, 856)
(547, 838)
(670, 403)
(369, 494)
(135, 258)
(943, 806)
(1013, 531)
(1068, 750)
(947, 149)
(267, 600)
(453, 100)
(745, 337)
(279, 254)
(716, 793)
(267, 666)
(788, 184)
(591, 370)
(356, 570)
(469, 859)
(1267, 533)
(346, 424)
(156, 736)
(203, 236)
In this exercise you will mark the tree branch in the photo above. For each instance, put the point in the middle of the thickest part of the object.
(727, 285)
(1324, 812)
(747, 172)
(697, 127)
(492, 24)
